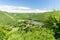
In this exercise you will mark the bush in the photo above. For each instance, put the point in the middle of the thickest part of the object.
(33, 33)
(53, 22)
(5, 32)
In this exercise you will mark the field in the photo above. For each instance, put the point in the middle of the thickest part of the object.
(30, 26)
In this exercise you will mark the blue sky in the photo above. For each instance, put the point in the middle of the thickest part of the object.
(34, 4)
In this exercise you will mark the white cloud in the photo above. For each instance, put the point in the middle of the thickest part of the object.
(19, 9)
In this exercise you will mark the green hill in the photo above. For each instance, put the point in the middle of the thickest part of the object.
(20, 26)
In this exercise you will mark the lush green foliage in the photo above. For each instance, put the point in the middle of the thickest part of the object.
(53, 22)
(31, 33)
(15, 26)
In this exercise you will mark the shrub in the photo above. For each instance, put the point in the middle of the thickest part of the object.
(33, 33)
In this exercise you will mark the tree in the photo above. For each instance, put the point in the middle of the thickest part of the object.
(53, 22)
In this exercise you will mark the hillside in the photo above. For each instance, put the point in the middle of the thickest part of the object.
(30, 26)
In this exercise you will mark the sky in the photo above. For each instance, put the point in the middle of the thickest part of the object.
(29, 5)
